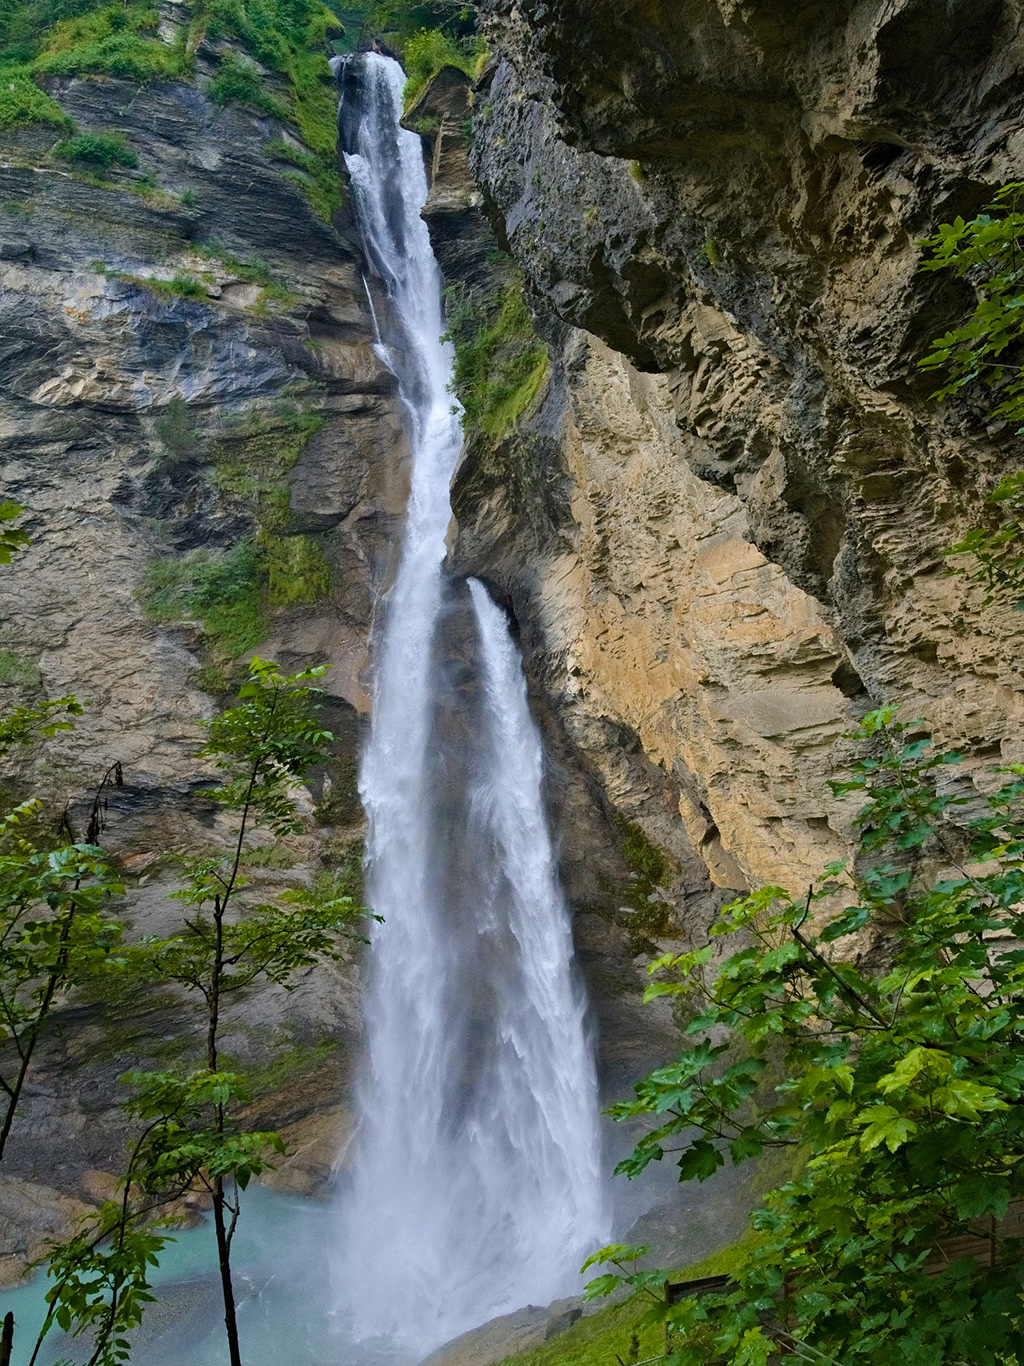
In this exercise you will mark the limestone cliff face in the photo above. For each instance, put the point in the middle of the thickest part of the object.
(728, 541)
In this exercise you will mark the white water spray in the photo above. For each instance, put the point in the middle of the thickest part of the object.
(475, 1185)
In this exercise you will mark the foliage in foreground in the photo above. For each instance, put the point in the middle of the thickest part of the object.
(191, 1136)
(987, 252)
(899, 1072)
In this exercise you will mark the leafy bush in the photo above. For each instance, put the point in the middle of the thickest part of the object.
(97, 149)
(986, 252)
(500, 362)
(998, 553)
(22, 102)
(426, 52)
(240, 82)
(898, 1074)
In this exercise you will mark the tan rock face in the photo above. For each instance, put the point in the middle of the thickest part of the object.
(676, 626)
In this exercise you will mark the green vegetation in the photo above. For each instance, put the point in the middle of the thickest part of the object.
(316, 177)
(649, 916)
(296, 568)
(426, 52)
(998, 552)
(255, 453)
(16, 671)
(345, 876)
(191, 1132)
(13, 539)
(900, 1078)
(988, 253)
(178, 432)
(619, 1333)
(501, 365)
(340, 804)
(113, 40)
(222, 590)
(291, 1065)
(80, 37)
(291, 38)
(23, 103)
(180, 287)
(240, 81)
(230, 592)
(268, 856)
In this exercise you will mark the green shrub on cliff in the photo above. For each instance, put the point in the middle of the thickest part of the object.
(240, 82)
(114, 40)
(426, 52)
(97, 149)
(23, 103)
(501, 364)
(901, 1079)
(291, 39)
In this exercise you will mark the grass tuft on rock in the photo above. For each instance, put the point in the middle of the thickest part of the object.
(96, 149)
(23, 103)
(240, 82)
(17, 672)
(501, 365)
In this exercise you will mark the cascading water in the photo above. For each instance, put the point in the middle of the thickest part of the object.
(475, 1185)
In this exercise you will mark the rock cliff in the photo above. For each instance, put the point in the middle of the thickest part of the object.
(725, 523)
(212, 462)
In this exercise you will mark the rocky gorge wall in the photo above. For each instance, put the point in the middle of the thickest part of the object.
(724, 526)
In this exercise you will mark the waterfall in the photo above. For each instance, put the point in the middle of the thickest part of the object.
(475, 1184)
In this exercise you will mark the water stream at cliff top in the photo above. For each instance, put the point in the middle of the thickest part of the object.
(475, 1182)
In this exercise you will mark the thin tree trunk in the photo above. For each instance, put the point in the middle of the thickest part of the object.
(7, 1340)
(44, 1009)
(224, 1258)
